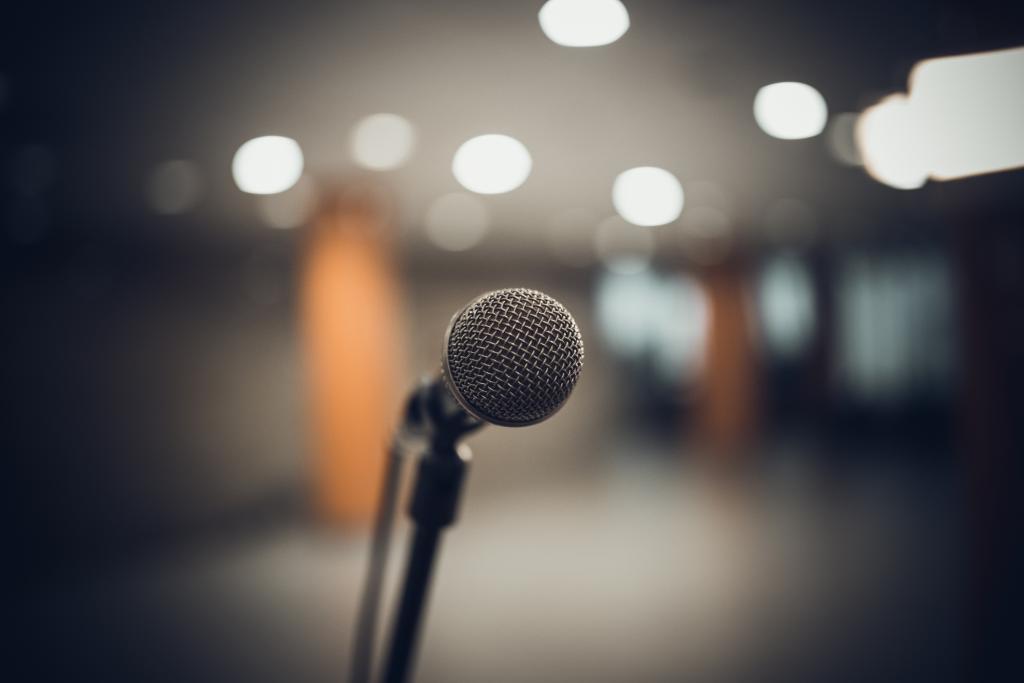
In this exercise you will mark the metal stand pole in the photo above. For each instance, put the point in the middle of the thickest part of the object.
(435, 500)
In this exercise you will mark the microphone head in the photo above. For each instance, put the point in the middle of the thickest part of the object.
(512, 357)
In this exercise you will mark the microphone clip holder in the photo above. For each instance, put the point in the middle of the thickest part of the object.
(432, 413)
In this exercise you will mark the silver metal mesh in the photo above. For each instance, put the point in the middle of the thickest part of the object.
(513, 356)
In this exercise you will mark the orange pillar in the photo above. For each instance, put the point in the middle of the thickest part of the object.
(728, 412)
(350, 319)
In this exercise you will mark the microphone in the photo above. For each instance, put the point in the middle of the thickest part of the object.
(510, 357)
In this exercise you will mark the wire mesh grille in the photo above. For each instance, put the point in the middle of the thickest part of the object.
(514, 356)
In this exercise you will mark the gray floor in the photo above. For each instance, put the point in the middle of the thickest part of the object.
(636, 568)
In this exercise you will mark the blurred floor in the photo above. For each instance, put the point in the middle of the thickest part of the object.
(633, 568)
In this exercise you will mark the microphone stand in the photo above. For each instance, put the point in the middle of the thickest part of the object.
(435, 499)
(366, 624)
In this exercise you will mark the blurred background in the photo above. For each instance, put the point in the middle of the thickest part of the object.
(791, 233)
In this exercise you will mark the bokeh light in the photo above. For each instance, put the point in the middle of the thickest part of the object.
(174, 187)
(457, 221)
(583, 23)
(623, 248)
(960, 118)
(889, 140)
(790, 110)
(786, 302)
(492, 164)
(647, 196)
(968, 109)
(382, 142)
(267, 165)
(661, 317)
